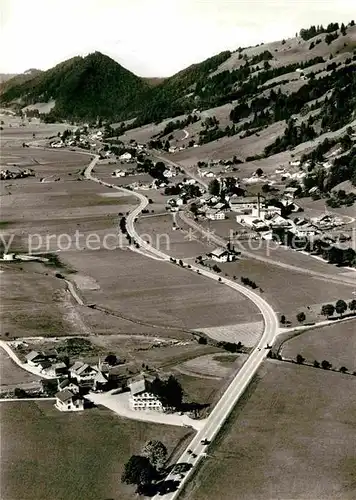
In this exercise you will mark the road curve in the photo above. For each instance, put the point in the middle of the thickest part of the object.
(25, 366)
(239, 384)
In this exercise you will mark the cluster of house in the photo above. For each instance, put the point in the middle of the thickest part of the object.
(71, 380)
(79, 378)
(6, 174)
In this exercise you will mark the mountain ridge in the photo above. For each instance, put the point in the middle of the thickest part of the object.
(96, 85)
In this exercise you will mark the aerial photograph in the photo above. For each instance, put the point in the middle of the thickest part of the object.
(178, 250)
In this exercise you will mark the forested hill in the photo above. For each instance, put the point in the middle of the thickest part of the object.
(251, 79)
(82, 88)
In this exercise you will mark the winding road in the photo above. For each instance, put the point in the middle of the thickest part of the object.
(236, 388)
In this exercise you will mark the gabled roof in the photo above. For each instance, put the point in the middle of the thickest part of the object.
(79, 368)
(45, 364)
(33, 355)
(219, 251)
(99, 377)
(137, 385)
(66, 383)
(65, 395)
(59, 365)
(51, 353)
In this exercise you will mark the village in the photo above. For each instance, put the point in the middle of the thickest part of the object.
(72, 384)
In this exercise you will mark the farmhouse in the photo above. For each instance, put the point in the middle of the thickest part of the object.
(119, 173)
(66, 400)
(208, 198)
(215, 214)
(181, 201)
(34, 358)
(169, 173)
(125, 156)
(303, 228)
(141, 397)
(222, 255)
(289, 193)
(69, 385)
(82, 372)
(244, 205)
(279, 222)
(55, 370)
(219, 206)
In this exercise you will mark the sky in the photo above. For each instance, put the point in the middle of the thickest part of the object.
(150, 37)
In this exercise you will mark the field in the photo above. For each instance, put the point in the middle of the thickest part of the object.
(157, 292)
(71, 456)
(35, 304)
(288, 291)
(292, 440)
(212, 365)
(182, 244)
(57, 207)
(11, 374)
(335, 343)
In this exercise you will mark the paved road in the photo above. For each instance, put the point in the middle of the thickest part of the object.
(12, 400)
(239, 384)
(16, 359)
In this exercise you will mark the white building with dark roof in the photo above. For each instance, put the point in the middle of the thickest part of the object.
(34, 358)
(222, 255)
(66, 400)
(82, 372)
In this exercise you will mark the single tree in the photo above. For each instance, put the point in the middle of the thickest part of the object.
(20, 393)
(316, 364)
(173, 392)
(340, 307)
(301, 317)
(259, 172)
(138, 470)
(214, 187)
(156, 453)
(352, 305)
(194, 209)
(327, 310)
(300, 360)
(343, 369)
(326, 365)
(111, 359)
(283, 319)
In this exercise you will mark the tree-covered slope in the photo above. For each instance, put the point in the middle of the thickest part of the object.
(82, 88)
